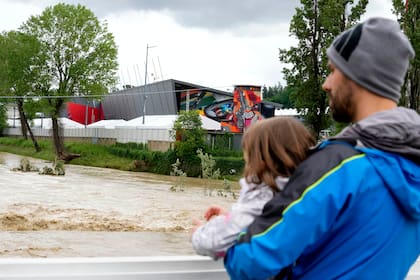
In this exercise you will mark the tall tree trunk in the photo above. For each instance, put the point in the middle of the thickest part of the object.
(415, 89)
(58, 140)
(57, 137)
(316, 35)
(31, 134)
(60, 150)
(26, 128)
(22, 117)
(404, 95)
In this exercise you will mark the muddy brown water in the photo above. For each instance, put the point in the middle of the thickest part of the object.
(99, 212)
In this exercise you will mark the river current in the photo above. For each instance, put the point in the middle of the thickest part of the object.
(99, 212)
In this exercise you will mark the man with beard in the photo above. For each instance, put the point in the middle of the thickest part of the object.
(352, 209)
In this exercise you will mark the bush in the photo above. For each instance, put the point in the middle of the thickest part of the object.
(230, 165)
(191, 165)
(226, 153)
(162, 162)
(131, 150)
(208, 165)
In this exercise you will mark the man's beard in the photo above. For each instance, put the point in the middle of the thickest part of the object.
(342, 106)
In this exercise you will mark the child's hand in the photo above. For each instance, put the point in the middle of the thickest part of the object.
(196, 224)
(214, 210)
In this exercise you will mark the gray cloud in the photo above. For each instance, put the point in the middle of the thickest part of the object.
(208, 14)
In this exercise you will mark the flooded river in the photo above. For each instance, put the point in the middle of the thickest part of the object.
(98, 212)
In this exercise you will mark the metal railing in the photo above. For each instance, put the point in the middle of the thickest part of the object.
(124, 268)
(115, 268)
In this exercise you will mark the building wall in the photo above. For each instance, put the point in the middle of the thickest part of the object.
(157, 99)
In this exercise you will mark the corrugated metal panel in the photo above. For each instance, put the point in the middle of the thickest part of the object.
(128, 104)
(161, 99)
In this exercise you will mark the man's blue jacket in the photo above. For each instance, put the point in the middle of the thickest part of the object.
(350, 211)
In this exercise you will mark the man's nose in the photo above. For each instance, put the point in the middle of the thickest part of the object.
(325, 85)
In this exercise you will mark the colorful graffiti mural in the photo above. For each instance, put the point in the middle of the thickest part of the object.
(195, 99)
(246, 108)
(234, 114)
(239, 112)
(221, 111)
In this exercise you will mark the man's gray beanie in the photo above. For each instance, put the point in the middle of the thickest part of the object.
(375, 54)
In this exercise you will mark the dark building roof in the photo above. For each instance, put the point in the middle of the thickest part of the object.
(158, 98)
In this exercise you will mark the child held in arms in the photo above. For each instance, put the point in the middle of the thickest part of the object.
(272, 149)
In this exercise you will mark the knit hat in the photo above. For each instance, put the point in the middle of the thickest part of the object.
(375, 54)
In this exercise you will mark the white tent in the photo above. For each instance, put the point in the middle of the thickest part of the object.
(286, 112)
(109, 124)
(153, 121)
(13, 122)
(209, 124)
(47, 123)
(166, 121)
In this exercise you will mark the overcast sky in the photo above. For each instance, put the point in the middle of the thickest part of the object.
(213, 43)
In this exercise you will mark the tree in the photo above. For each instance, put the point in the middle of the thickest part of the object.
(19, 53)
(408, 13)
(189, 138)
(189, 133)
(315, 25)
(270, 92)
(281, 95)
(3, 118)
(81, 59)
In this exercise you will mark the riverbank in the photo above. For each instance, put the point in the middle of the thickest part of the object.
(93, 155)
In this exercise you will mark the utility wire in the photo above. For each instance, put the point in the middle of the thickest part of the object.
(119, 93)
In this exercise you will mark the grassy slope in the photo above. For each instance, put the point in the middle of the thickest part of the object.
(91, 154)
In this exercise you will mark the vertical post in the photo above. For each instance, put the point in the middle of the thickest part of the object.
(144, 107)
(145, 81)
(187, 101)
(145, 70)
(14, 115)
(147, 57)
(86, 114)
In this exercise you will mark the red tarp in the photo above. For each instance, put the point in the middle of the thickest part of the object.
(77, 112)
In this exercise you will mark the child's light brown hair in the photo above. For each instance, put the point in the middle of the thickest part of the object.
(274, 147)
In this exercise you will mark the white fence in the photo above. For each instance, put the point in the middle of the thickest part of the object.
(121, 135)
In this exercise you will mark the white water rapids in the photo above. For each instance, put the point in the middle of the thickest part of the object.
(98, 212)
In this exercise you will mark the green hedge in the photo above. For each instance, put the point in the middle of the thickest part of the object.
(230, 165)
(161, 162)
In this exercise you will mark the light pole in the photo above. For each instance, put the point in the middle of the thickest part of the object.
(144, 107)
(145, 81)
(147, 56)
